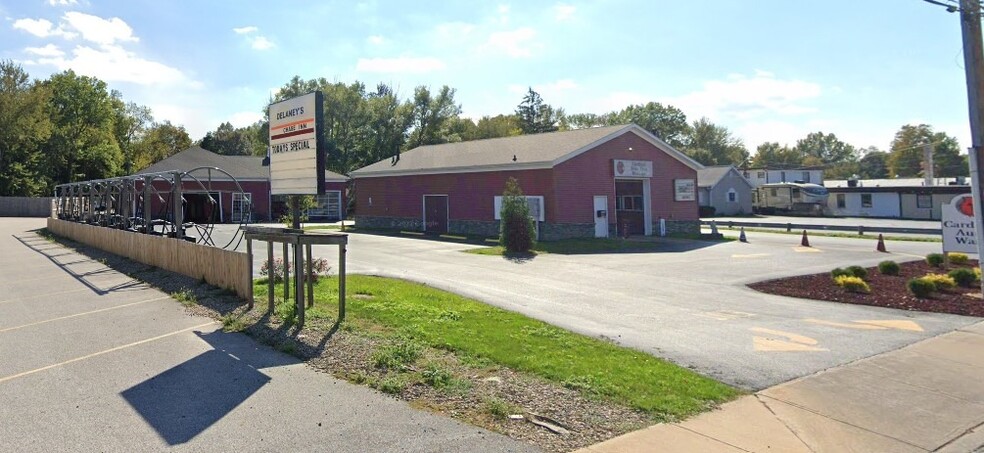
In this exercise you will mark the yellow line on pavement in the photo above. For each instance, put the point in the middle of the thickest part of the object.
(845, 325)
(8, 329)
(96, 354)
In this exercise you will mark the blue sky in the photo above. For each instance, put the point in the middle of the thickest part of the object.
(769, 70)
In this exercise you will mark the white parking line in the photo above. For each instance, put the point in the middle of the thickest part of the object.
(8, 329)
(107, 351)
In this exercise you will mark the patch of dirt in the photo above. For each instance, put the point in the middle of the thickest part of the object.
(886, 290)
(346, 353)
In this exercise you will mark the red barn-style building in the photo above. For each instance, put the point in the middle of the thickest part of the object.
(595, 182)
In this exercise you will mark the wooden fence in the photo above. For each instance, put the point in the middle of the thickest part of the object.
(221, 268)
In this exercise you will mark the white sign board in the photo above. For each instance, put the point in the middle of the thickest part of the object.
(296, 165)
(684, 189)
(535, 203)
(958, 225)
(633, 168)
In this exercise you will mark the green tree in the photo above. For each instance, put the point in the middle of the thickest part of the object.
(536, 117)
(772, 155)
(24, 128)
(82, 144)
(666, 122)
(228, 141)
(160, 141)
(825, 149)
(497, 126)
(130, 122)
(906, 155)
(873, 164)
(711, 144)
(431, 116)
(517, 230)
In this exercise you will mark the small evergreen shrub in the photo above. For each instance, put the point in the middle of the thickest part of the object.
(977, 272)
(920, 287)
(942, 281)
(934, 259)
(959, 258)
(889, 267)
(840, 272)
(858, 272)
(517, 232)
(963, 276)
(852, 284)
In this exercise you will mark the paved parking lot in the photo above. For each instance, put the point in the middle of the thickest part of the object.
(687, 303)
(91, 360)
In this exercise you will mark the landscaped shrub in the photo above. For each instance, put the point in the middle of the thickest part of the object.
(858, 271)
(840, 272)
(963, 276)
(517, 232)
(889, 267)
(706, 211)
(977, 272)
(852, 284)
(959, 258)
(319, 268)
(934, 259)
(942, 281)
(920, 287)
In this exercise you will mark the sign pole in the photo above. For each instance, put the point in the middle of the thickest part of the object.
(973, 50)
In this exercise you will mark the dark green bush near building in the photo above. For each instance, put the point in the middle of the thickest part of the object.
(889, 267)
(964, 276)
(517, 233)
(959, 258)
(934, 259)
(840, 272)
(920, 287)
(858, 272)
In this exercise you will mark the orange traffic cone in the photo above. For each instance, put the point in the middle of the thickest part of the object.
(741, 237)
(881, 244)
(806, 241)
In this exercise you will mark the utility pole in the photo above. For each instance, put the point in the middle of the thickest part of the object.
(970, 26)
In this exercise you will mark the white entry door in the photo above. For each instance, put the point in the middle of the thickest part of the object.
(601, 216)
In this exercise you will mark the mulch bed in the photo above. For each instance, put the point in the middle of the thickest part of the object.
(886, 290)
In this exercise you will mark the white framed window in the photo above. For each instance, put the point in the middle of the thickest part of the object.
(924, 201)
(732, 196)
(242, 206)
(535, 202)
(866, 200)
(328, 205)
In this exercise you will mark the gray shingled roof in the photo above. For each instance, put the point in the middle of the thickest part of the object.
(710, 176)
(508, 153)
(241, 167)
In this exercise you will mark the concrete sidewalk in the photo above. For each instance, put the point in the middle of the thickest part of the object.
(927, 397)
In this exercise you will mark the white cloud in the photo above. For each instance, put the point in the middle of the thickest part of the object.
(37, 27)
(262, 43)
(375, 40)
(63, 2)
(49, 50)
(563, 11)
(245, 30)
(744, 98)
(402, 65)
(243, 119)
(98, 30)
(113, 63)
(503, 9)
(515, 43)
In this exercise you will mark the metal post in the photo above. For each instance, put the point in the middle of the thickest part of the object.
(249, 253)
(148, 204)
(299, 280)
(341, 282)
(178, 205)
(272, 277)
(973, 48)
(286, 271)
(309, 276)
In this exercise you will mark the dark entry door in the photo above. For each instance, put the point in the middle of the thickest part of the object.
(436, 214)
(199, 208)
(630, 208)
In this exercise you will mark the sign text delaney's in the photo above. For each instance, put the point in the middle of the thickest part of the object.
(296, 164)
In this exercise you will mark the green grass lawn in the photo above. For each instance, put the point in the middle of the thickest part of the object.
(468, 328)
